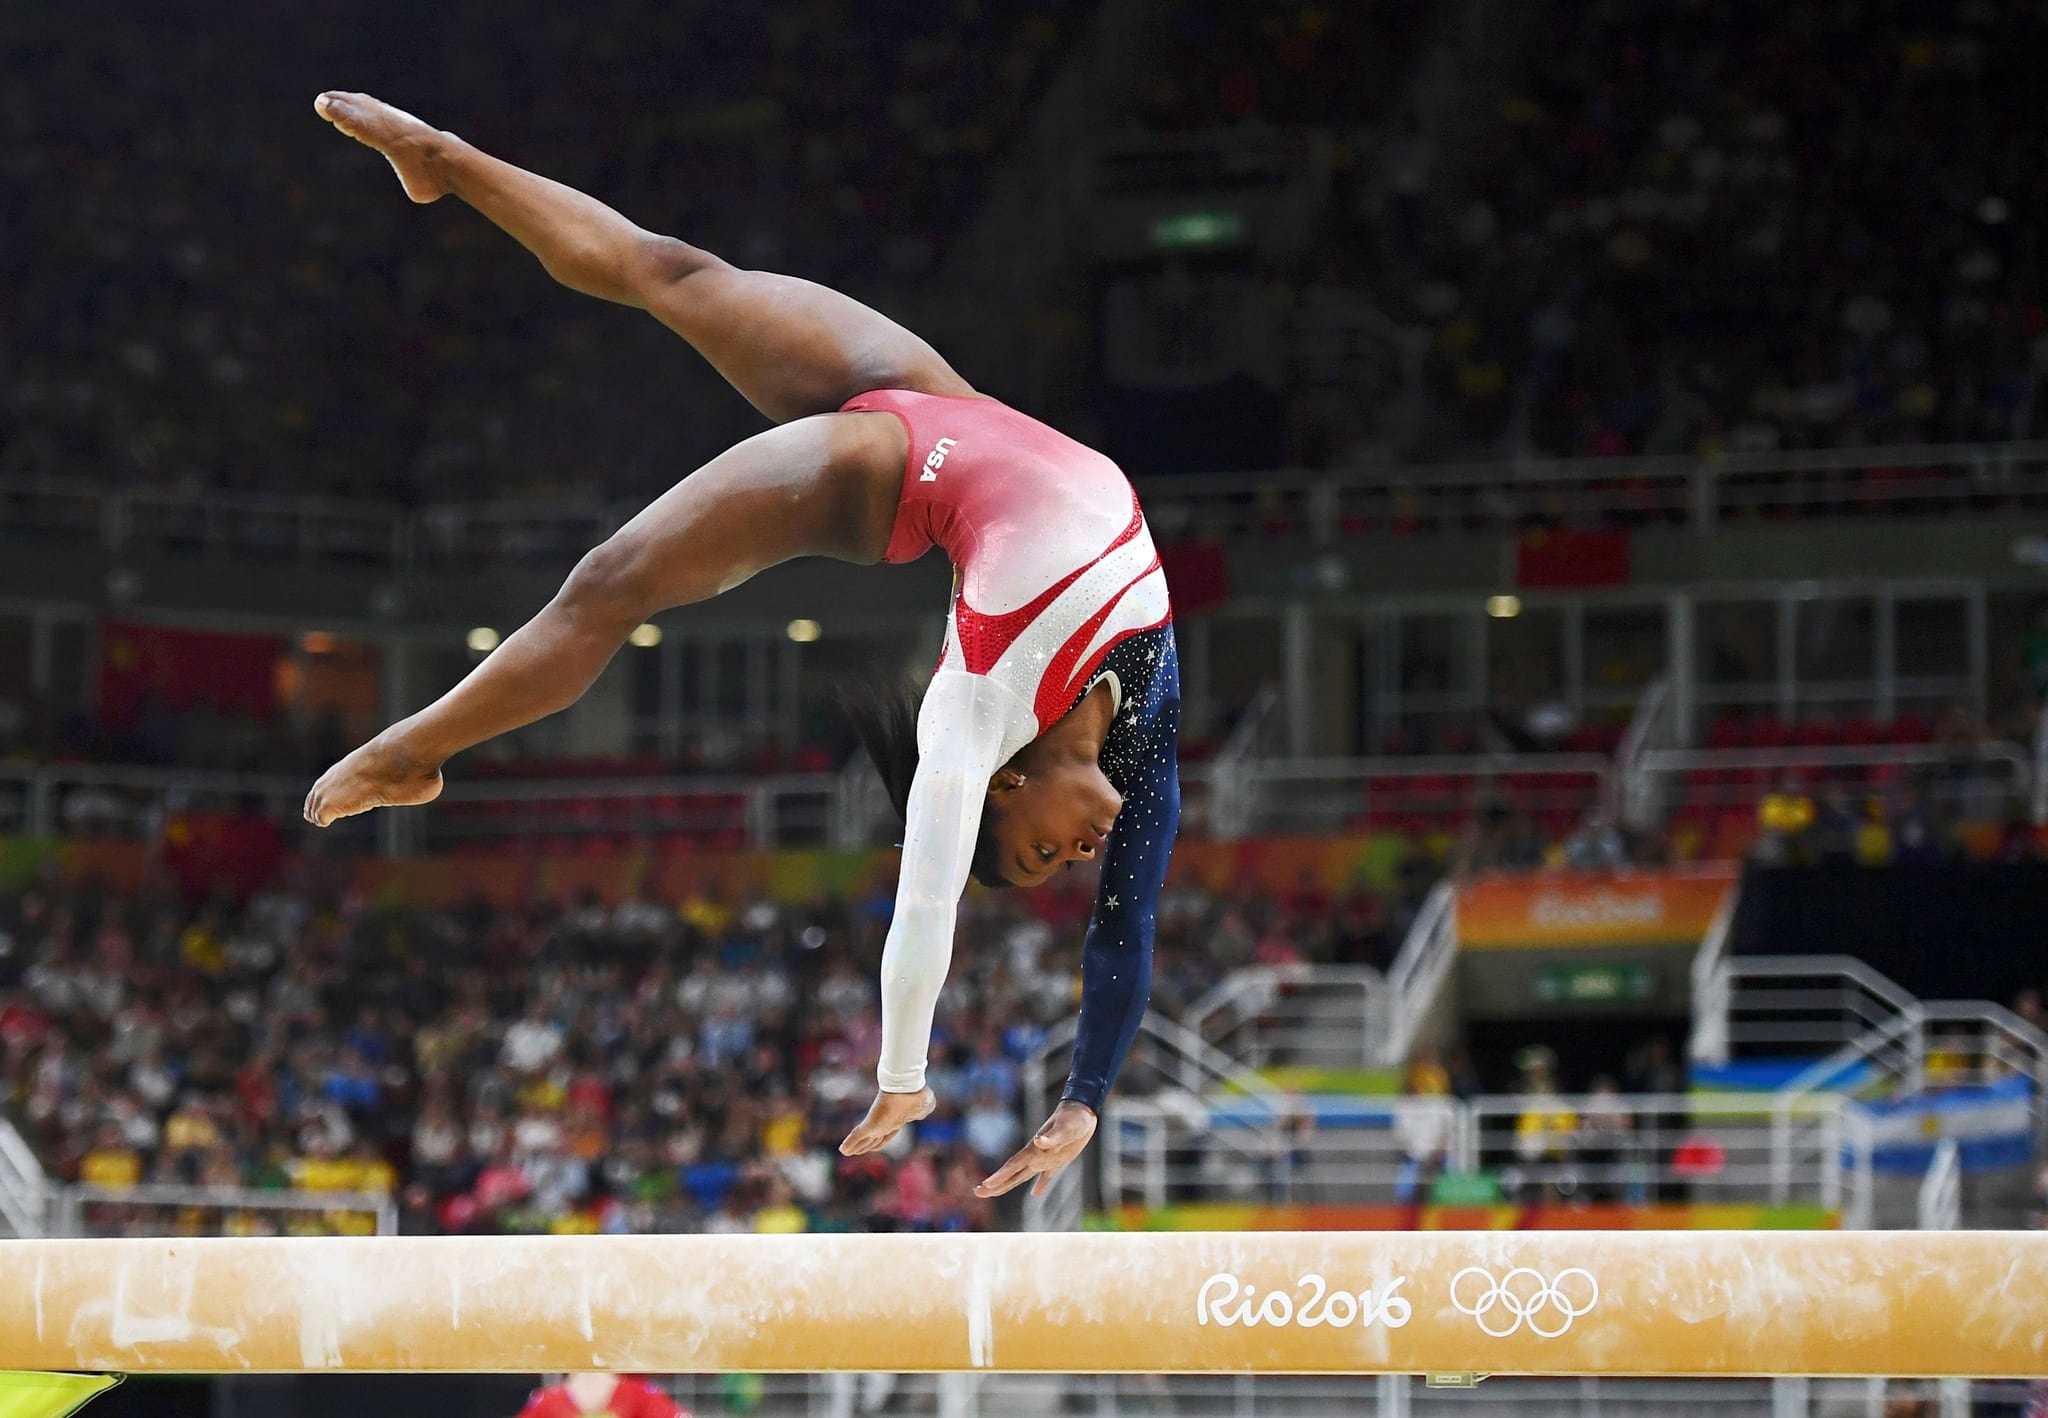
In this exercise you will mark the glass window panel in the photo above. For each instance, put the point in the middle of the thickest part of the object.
(17, 713)
(1932, 638)
(1525, 657)
(2016, 622)
(1244, 655)
(1436, 653)
(732, 680)
(647, 669)
(1835, 640)
(1625, 648)
(1736, 643)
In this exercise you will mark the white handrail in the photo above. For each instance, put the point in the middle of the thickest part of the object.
(1691, 487)
(1712, 989)
(1939, 1205)
(1653, 712)
(2040, 804)
(379, 1204)
(1244, 994)
(1230, 785)
(1680, 760)
(24, 1186)
(1880, 986)
(44, 786)
(1200, 1067)
(1418, 972)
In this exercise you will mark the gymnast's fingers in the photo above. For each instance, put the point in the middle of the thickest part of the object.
(1011, 1174)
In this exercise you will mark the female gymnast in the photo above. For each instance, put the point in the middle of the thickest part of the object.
(1047, 735)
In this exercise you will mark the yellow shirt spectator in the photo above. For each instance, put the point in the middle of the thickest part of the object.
(191, 1131)
(1785, 813)
(201, 949)
(783, 1220)
(116, 1168)
(782, 1134)
(1428, 1079)
(1544, 1131)
(707, 915)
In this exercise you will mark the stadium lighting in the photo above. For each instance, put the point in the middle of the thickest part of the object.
(805, 631)
(645, 636)
(483, 640)
(1503, 607)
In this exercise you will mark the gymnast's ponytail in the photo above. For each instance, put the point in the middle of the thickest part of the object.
(883, 716)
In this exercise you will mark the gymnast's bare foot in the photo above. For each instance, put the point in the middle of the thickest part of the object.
(406, 142)
(375, 775)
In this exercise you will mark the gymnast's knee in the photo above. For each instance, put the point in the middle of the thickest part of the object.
(612, 585)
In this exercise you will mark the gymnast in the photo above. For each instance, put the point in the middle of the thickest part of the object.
(1048, 733)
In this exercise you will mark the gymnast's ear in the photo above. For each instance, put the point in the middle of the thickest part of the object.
(1004, 780)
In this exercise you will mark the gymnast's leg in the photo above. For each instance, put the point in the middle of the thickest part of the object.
(790, 346)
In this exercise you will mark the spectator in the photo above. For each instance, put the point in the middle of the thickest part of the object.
(1604, 1144)
(610, 1395)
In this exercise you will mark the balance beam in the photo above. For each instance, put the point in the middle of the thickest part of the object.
(1909, 1304)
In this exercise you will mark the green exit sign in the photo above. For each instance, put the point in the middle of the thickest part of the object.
(1191, 231)
(1595, 984)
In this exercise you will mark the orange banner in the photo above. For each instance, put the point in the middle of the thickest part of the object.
(1548, 911)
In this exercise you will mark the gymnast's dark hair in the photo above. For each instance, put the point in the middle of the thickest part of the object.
(883, 714)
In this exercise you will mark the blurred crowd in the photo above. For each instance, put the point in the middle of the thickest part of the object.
(1962, 805)
(1703, 226)
(644, 1065)
(225, 293)
(1733, 225)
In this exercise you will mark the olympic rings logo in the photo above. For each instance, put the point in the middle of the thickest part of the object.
(1524, 1296)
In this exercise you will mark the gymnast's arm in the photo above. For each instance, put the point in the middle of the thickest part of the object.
(1116, 958)
(959, 744)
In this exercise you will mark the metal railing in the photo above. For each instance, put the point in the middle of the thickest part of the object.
(1791, 1005)
(1626, 1150)
(1677, 1147)
(1984, 778)
(1697, 493)
(97, 800)
(1168, 1065)
(2040, 803)
(1228, 777)
(1653, 726)
(1712, 986)
(1243, 795)
(1939, 1203)
(1419, 971)
(1330, 1016)
(1318, 796)
(996, 1395)
(153, 1210)
(1162, 1150)
(784, 810)
(1691, 492)
(25, 1192)
(1968, 1042)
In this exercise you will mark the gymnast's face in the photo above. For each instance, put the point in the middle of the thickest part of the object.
(1047, 818)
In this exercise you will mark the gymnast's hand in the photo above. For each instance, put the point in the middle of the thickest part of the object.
(1059, 1142)
(408, 144)
(886, 1118)
(378, 774)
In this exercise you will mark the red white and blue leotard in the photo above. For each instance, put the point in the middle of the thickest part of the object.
(1057, 587)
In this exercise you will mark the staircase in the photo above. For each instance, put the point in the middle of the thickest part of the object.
(25, 1193)
(1802, 1026)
